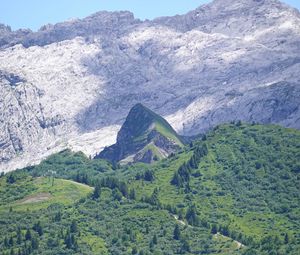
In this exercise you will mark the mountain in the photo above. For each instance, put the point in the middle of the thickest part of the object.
(234, 192)
(69, 85)
(144, 137)
(101, 23)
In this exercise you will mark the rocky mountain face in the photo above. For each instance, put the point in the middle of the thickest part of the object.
(70, 85)
(101, 23)
(144, 137)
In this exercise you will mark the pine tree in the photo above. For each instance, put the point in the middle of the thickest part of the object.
(34, 243)
(191, 215)
(57, 216)
(117, 195)
(214, 229)
(73, 227)
(68, 240)
(177, 180)
(38, 228)
(154, 240)
(132, 194)
(123, 189)
(134, 250)
(11, 242)
(177, 232)
(193, 163)
(286, 238)
(181, 214)
(225, 231)
(11, 178)
(97, 191)
(151, 245)
(19, 236)
(185, 246)
(239, 123)
(28, 235)
(187, 188)
(154, 197)
(149, 176)
(6, 243)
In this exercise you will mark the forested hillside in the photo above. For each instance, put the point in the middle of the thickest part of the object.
(235, 191)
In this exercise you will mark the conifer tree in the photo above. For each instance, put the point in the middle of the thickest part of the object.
(38, 228)
(177, 232)
(132, 194)
(28, 235)
(34, 243)
(6, 243)
(73, 227)
(154, 239)
(214, 229)
(19, 236)
(191, 215)
(154, 197)
(185, 246)
(286, 238)
(11, 241)
(97, 191)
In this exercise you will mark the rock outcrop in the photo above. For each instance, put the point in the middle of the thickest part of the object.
(144, 137)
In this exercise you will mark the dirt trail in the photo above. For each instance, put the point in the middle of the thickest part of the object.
(180, 221)
(80, 184)
(239, 245)
(35, 198)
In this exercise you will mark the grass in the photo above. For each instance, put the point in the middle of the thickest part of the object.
(165, 129)
(95, 244)
(55, 191)
(241, 200)
(248, 182)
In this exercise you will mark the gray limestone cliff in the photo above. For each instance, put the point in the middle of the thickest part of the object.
(69, 85)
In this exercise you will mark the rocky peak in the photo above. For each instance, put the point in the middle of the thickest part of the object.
(139, 120)
(225, 61)
(4, 28)
(242, 4)
(102, 23)
(233, 17)
(143, 136)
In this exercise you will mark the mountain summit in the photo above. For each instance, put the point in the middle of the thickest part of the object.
(144, 137)
(238, 18)
(69, 85)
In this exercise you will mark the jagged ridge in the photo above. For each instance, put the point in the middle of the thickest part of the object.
(224, 61)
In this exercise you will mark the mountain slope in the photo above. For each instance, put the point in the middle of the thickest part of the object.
(144, 137)
(108, 225)
(248, 179)
(238, 193)
(71, 84)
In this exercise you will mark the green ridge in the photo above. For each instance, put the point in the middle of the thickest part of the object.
(246, 185)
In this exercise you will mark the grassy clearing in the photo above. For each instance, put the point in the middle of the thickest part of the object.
(41, 192)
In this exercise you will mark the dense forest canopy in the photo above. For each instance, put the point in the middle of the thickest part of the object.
(235, 191)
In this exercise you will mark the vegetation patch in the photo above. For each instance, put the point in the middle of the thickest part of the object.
(236, 193)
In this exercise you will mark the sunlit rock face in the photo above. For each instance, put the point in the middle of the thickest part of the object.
(70, 85)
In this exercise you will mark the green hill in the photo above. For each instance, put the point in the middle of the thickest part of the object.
(236, 191)
(26, 193)
(144, 137)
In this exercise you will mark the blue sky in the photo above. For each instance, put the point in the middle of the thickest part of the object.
(35, 13)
